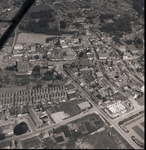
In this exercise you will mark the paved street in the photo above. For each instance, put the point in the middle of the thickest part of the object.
(113, 122)
(36, 131)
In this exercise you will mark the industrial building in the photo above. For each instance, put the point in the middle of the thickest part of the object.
(85, 105)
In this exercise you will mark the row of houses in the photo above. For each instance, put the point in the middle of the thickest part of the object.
(22, 96)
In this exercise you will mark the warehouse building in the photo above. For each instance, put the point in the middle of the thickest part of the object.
(85, 105)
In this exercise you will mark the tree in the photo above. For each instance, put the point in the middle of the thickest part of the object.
(59, 77)
(36, 68)
(81, 54)
(44, 56)
(72, 65)
(2, 136)
(36, 57)
(21, 128)
(62, 24)
(104, 99)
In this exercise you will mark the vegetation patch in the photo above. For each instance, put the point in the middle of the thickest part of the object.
(21, 128)
(31, 142)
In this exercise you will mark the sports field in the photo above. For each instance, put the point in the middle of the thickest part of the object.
(30, 38)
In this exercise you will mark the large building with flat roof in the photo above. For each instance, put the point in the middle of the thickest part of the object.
(84, 105)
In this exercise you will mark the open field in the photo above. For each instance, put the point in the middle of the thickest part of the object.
(141, 100)
(31, 142)
(69, 86)
(69, 107)
(118, 96)
(30, 38)
(59, 116)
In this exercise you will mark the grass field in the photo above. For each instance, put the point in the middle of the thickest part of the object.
(118, 96)
(69, 86)
(69, 107)
(31, 142)
(30, 38)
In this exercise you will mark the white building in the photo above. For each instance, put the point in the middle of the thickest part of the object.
(18, 47)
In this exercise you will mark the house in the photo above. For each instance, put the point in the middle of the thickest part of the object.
(103, 55)
(84, 105)
(45, 134)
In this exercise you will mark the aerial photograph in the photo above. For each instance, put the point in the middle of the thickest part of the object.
(72, 74)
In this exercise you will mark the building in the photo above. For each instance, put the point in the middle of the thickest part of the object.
(122, 48)
(103, 56)
(84, 105)
(8, 130)
(99, 74)
(19, 95)
(18, 47)
(37, 121)
(72, 95)
(63, 45)
(127, 56)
